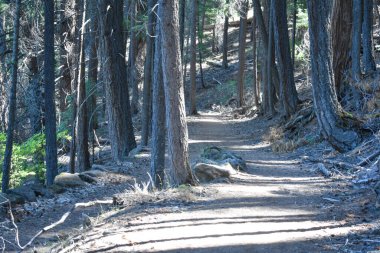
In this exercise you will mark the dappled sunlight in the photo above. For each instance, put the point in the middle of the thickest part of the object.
(219, 229)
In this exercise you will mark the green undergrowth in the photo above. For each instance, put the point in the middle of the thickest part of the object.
(28, 157)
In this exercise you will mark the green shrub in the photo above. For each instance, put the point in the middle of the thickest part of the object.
(28, 157)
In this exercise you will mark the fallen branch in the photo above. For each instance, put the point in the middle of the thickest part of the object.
(369, 158)
(340, 164)
(324, 170)
(47, 228)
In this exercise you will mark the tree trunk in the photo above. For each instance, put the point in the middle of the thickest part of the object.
(111, 52)
(242, 43)
(12, 101)
(225, 42)
(147, 105)
(356, 39)
(294, 31)
(254, 63)
(50, 114)
(270, 94)
(83, 156)
(3, 75)
(75, 67)
(201, 26)
(34, 98)
(93, 62)
(341, 40)
(64, 84)
(193, 58)
(335, 127)
(182, 15)
(133, 51)
(174, 95)
(288, 92)
(157, 164)
(368, 61)
(273, 68)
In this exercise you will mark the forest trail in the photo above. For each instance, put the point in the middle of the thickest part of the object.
(275, 206)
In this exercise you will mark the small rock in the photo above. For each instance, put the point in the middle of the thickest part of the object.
(87, 178)
(63, 200)
(69, 180)
(26, 192)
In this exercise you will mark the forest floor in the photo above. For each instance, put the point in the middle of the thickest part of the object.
(279, 204)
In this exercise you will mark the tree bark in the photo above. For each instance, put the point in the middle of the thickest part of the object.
(193, 58)
(133, 51)
(93, 62)
(174, 95)
(64, 84)
(12, 101)
(157, 164)
(334, 125)
(341, 40)
(242, 44)
(182, 15)
(269, 105)
(111, 52)
(149, 58)
(254, 62)
(225, 42)
(369, 65)
(288, 91)
(50, 113)
(83, 155)
(294, 31)
(356, 39)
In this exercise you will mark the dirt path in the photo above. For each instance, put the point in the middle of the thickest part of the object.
(276, 206)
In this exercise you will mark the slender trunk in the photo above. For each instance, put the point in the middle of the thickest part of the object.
(83, 155)
(193, 60)
(254, 62)
(288, 92)
(64, 84)
(75, 65)
(3, 75)
(35, 99)
(182, 15)
(133, 48)
(368, 61)
(12, 101)
(50, 113)
(93, 63)
(294, 30)
(178, 149)
(270, 95)
(356, 39)
(242, 43)
(225, 42)
(146, 113)
(157, 164)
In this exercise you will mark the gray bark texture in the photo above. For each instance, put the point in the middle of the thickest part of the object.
(335, 126)
(369, 65)
(174, 94)
(356, 39)
(12, 101)
(147, 105)
(83, 155)
(111, 52)
(242, 56)
(288, 92)
(50, 113)
(157, 164)
(193, 58)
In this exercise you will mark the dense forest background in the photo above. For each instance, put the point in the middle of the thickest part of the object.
(61, 77)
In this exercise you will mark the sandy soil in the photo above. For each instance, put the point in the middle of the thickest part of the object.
(277, 205)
